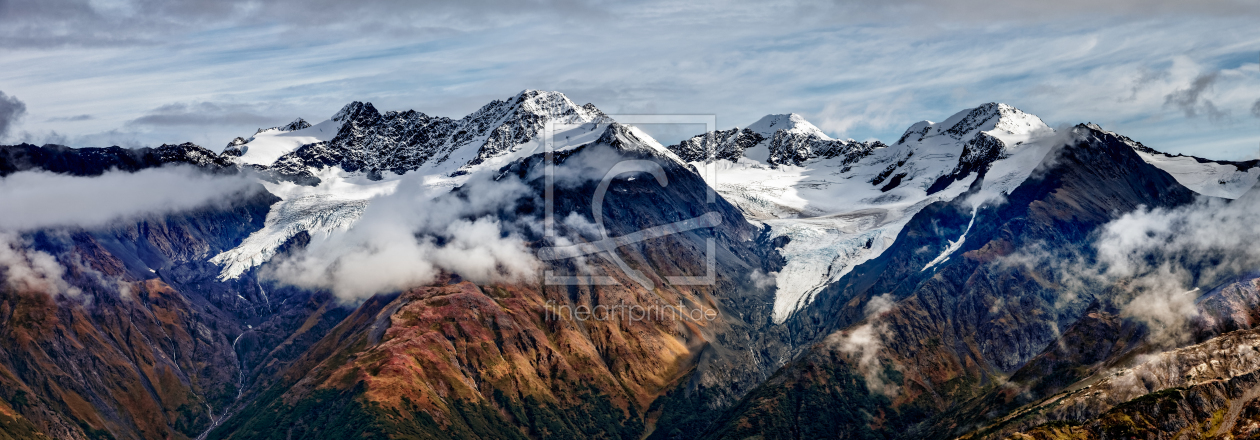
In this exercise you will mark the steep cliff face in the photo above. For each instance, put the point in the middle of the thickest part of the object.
(128, 355)
(1103, 377)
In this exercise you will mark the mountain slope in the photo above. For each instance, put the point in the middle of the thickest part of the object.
(944, 335)
(1223, 179)
(461, 360)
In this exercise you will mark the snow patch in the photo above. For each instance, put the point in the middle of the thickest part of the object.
(1207, 178)
(953, 245)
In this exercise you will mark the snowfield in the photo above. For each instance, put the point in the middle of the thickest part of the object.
(268, 146)
(1207, 178)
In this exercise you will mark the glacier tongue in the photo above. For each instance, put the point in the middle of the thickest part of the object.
(335, 204)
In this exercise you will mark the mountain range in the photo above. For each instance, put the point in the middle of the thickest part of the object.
(400, 275)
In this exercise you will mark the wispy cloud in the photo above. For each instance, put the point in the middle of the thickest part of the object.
(199, 114)
(74, 118)
(11, 109)
(28, 270)
(1190, 100)
(1159, 261)
(857, 69)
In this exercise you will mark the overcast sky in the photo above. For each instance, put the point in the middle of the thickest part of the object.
(1177, 76)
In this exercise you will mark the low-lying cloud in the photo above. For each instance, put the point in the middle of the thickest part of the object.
(409, 237)
(865, 341)
(29, 270)
(37, 199)
(1160, 260)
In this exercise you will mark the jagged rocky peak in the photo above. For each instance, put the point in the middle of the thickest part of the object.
(725, 145)
(916, 131)
(367, 140)
(190, 153)
(296, 125)
(554, 104)
(235, 148)
(780, 139)
(357, 111)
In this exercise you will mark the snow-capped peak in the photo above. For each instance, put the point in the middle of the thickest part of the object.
(997, 119)
(630, 138)
(796, 124)
(359, 138)
(1009, 124)
(553, 104)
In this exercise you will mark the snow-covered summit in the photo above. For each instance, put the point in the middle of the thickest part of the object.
(361, 153)
(360, 138)
(995, 119)
(791, 122)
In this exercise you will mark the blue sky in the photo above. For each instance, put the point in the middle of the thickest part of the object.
(1178, 77)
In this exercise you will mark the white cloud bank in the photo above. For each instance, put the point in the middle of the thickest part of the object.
(37, 199)
(27, 270)
(407, 238)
